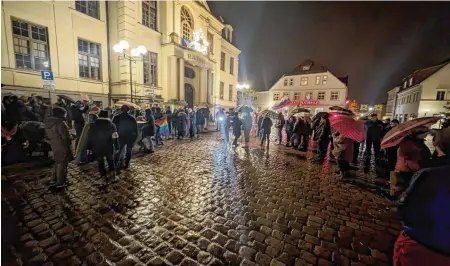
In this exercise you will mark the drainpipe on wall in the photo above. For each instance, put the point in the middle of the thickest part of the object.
(108, 49)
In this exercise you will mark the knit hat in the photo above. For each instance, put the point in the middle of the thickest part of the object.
(103, 114)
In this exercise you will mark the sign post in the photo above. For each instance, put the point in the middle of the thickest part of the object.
(47, 77)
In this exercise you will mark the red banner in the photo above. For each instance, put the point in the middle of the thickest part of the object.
(303, 102)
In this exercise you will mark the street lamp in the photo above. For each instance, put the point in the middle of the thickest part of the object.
(133, 56)
(241, 88)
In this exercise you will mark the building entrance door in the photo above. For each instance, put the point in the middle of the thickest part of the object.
(189, 94)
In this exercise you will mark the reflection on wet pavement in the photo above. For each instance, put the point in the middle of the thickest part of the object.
(202, 203)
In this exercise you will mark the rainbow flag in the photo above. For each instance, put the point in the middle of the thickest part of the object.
(284, 101)
(163, 126)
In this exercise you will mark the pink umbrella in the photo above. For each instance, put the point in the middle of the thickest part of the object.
(348, 127)
(398, 133)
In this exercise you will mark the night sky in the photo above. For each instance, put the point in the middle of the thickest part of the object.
(375, 43)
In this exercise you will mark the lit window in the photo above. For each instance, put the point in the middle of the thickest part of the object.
(334, 96)
(149, 14)
(287, 94)
(405, 84)
(308, 96)
(89, 59)
(324, 79)
(440, 96)
(186, 24)
(304, 81)
(88, 7)
(276, 96)
(222, 61)
(231, 65)
(210, 38)
(222, 86)
(151, 69)
(291, 81)
(321, 95)
(26, 37)
(285, 82)
(410, 81)
(317, 80)
(297, 96)
(230, 92)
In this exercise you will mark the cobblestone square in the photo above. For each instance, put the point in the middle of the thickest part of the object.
(198, 203)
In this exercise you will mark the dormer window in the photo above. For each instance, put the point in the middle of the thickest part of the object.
(405, 84)
(410, 81)
(306, 68)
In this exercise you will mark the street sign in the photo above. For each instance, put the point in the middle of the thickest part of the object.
(49, 87)
(46, 75)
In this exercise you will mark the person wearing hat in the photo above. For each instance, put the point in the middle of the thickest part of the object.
(128, 131)
(103, 142)
(82, 151)
(60, 140)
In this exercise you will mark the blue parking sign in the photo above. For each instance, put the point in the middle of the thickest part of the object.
(46, 75)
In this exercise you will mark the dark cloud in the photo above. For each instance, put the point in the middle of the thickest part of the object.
(375, 43)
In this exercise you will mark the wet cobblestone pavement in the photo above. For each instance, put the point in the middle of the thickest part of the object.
(199, 203)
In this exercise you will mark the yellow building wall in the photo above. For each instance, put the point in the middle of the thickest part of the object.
(65, 25)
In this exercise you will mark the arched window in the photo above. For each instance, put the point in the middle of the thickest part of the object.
(186, 24)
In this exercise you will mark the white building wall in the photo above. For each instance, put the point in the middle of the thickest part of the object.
(390, 105)
(424, 103)
(261, 101)
(333, 84)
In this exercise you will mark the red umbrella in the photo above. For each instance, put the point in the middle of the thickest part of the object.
(398, 133)
(348, 127)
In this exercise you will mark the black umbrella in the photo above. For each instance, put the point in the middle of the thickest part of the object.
(269, 113)
(320, 115)
(66, 98)
(244, 109)
(299, 110)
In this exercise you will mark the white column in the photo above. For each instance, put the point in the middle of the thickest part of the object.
(181, 80)
(203, 86)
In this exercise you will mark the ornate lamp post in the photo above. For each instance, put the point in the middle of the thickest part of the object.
(133, 56)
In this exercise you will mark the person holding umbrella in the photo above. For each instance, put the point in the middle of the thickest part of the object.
(322, 132)
(345, 130)
(266, 127)
(279, 125)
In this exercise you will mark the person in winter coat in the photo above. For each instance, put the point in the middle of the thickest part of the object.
(322, 132)
(343, 153)
(60, 140)
(247, 124)
(301, 132)
(260, 119)
(266, 127)
(390, 153)
(103, 141)
(148, 131)
(182, 121)
(76, 116)
(193, 122)
(412, 155)
(279, 126)
(200, 119)
(374, 128)
(158, 115)
(128, 132)
(168, 115)
(290, 130)
(424, 209)
(236, 124)
(220, 117)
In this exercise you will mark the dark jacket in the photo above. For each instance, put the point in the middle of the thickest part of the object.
(200, 119)
(290, 126)
(374, 130)
(100, 137)
(193, 119)
(266, 125)
(149, 128)
(60, 139)
(126, 127)
(260, 120)
(425, 206)
(322, 129)
(182, 121)
(76, 114)
(236, 124)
